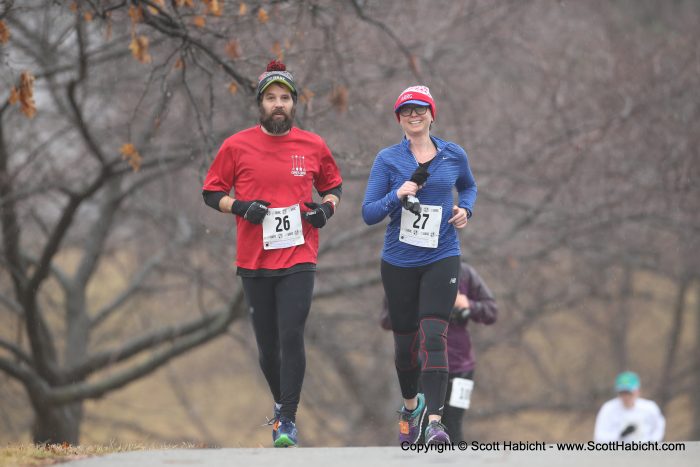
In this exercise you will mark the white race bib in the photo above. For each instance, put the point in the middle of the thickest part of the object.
(461, 392)
(282, 228)
(421, 230)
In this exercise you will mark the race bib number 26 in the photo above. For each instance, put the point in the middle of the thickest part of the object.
(282, 228)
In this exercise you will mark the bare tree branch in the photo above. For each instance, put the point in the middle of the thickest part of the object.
(7, 8)
(166, 25)
(91, 390)
(11, 304)
(16, 351)
(410, 58)
(26, 376)
(100, 360)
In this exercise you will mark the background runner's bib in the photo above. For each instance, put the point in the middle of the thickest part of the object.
(461, 392)
(282, 228)
(423, 230)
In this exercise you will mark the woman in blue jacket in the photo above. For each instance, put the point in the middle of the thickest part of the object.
(413, 183)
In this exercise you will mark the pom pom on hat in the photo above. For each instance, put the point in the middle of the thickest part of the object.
(276, 65)
(276, 72)
(415, 95)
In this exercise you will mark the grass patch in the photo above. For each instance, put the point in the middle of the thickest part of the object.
(24, 454)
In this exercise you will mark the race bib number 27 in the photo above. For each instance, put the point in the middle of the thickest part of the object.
(421, 230)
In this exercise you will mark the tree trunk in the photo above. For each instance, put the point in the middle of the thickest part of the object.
(58, 424)
(695, 434)
(665, 382)
(620, 321)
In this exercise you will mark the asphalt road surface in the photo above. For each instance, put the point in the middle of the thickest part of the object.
(498, 456)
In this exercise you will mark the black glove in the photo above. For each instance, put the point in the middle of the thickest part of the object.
(628, 430)
(419, 177)
(460, 315)
(319, 214)
(252, 211)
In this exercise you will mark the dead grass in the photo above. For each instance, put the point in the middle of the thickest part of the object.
(24, 454)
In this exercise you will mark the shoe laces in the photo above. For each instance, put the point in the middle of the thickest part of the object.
(272, 421)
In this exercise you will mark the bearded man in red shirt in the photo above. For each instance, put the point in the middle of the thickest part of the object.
(272, 169)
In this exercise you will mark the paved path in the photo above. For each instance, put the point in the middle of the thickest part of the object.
(392, 457)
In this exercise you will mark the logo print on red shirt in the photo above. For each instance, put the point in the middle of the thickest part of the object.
(298, 166)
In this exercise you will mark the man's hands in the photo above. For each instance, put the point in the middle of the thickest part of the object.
(255, 211)
(252, 211)
(319, 214)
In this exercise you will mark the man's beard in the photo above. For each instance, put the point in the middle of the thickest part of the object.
(274, 126)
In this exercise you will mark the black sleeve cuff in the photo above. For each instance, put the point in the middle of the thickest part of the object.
(337, 191)
(212, 198)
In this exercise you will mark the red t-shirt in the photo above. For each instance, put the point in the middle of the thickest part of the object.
(281, 170)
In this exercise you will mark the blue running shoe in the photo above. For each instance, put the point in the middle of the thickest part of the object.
(274, 422)
(436, 433)
(286, 434)
(410, 421)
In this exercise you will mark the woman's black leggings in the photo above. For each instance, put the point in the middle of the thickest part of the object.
(279, 307)
(420, 301)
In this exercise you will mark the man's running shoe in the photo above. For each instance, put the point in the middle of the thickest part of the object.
(436, 433)
(286, 434)
(410, 421)
(274, 422)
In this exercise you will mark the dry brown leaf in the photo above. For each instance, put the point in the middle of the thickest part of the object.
(153, 9)
(233, 49)
(339, 98)
(278, 51)
(26, 94)
(199, 21)
(306, 96)
(136, 14)
(88, 16)
(187, 3)
(132, 156)
(179, 64)
(14, 96)
(413, 63)
(233, 88)
(139, 48)
(242, 9)
(4, 33)
(263, 17)
(73, 7)
(214, 7)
